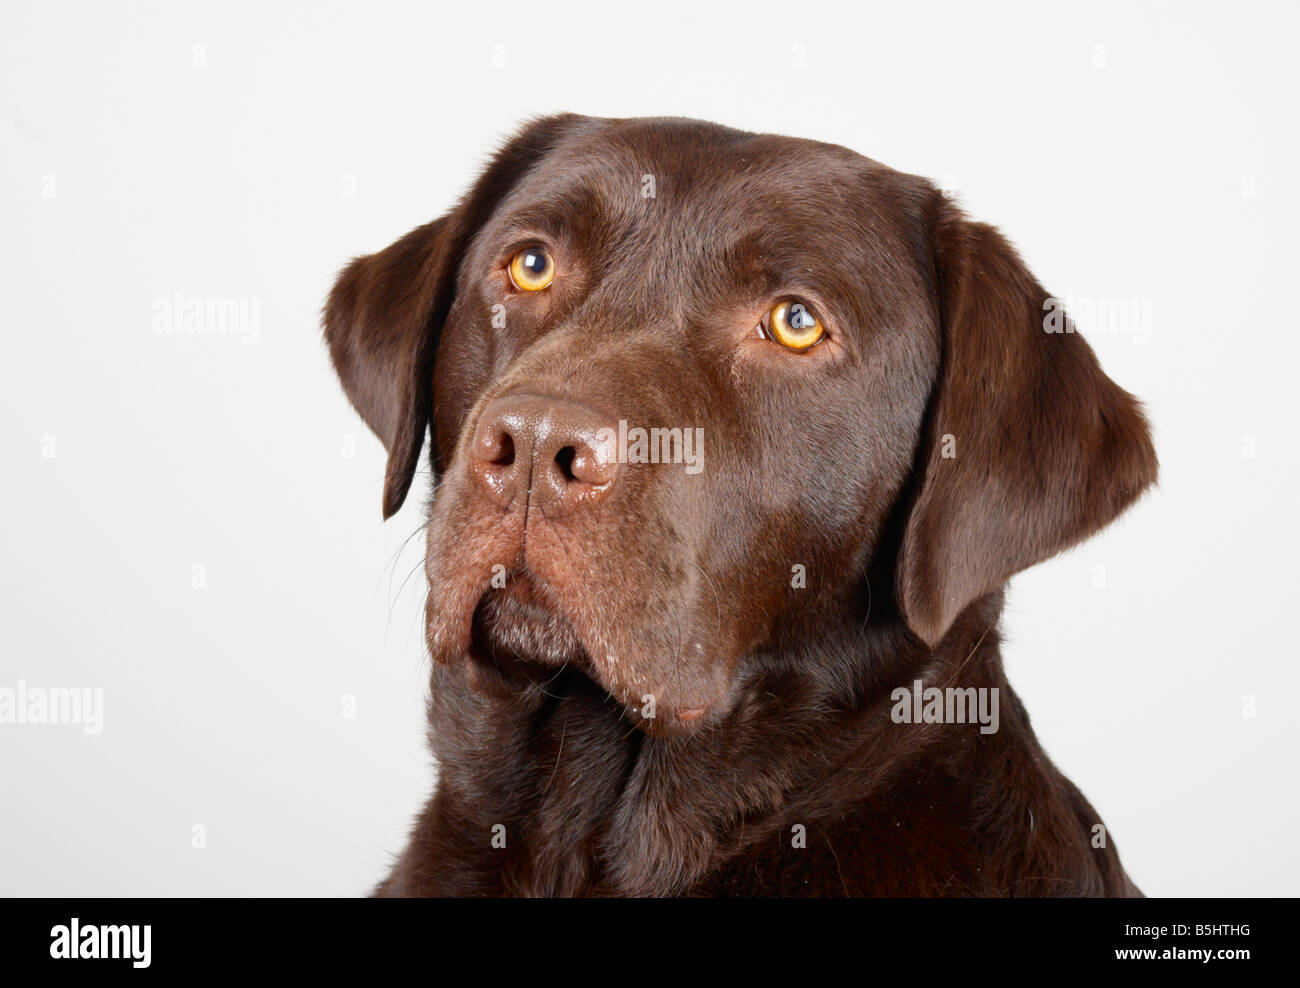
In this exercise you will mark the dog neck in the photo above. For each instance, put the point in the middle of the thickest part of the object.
(553, 791)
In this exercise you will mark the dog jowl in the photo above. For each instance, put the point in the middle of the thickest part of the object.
(648, 675)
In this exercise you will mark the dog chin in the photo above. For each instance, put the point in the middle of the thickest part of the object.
(518, 640)
(518, 643)
(529, 631)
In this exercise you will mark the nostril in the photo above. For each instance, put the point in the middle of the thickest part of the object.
(564, 459)
(495, 448)
(505, 451)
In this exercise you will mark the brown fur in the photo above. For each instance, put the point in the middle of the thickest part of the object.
(679, 585)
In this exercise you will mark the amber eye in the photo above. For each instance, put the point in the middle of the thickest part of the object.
(792, 324)
(532, 269)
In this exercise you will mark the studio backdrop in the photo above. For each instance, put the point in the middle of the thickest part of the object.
(191, 509)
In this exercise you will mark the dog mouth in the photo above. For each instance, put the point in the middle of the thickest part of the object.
(519, 633)
(535, 628)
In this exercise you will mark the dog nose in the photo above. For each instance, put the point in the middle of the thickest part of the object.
(551, 451)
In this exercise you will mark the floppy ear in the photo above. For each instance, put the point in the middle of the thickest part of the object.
(385, 313)
(1030, 447)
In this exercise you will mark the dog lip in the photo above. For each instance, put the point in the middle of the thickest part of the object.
(527, 588)
(527, 598)
(522, 618)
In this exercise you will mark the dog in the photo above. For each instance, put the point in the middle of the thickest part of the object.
(737, 440)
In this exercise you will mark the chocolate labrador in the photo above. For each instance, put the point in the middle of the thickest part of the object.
(737, 440)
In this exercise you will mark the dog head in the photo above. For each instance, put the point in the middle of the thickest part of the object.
(687, 385)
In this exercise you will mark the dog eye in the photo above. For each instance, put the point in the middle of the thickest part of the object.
(532, 269)
(792, 324)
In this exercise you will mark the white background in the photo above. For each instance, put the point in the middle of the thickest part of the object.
(1160, 167)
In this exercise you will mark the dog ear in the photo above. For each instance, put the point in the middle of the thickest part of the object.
(1029, 446)
(385, 313)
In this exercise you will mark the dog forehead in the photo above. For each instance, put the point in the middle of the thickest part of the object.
(693, 181)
